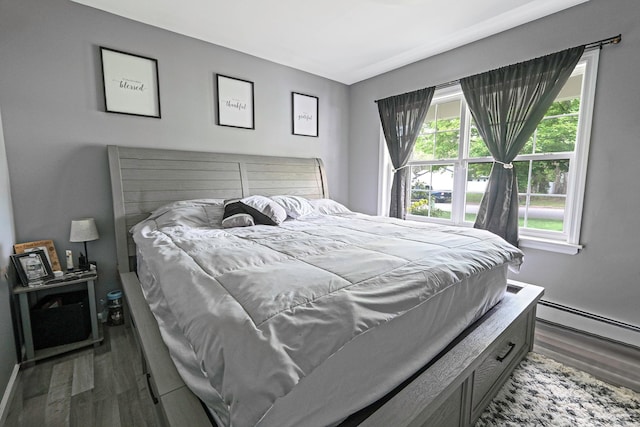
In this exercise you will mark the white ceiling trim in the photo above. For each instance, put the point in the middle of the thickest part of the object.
(495, 25)
(336, 39)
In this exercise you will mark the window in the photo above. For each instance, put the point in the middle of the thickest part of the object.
(450, 164)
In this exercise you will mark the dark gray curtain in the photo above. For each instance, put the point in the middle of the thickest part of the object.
(402, 117)
(507, 104)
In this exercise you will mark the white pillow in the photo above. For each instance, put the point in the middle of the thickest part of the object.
(328, 206)
(238, 220)
(185, 203)
(186, 216)
(264, 210)
(189, 213)
(295, 206)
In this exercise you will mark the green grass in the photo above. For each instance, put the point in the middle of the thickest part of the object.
(435, 213)
(536, 201)
(474, 198)
(533, 223)
(543, 224)
(421, 207)
(537, 224)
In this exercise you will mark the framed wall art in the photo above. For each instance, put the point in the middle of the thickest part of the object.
(304, 114)
(234, 102)
(131, 84)
(32, 267)
(48, 248)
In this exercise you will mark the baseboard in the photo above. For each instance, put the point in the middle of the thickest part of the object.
(611, 361)
(9, 392)
(589, 323)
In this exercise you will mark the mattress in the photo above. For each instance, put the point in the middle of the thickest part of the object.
(361, 314)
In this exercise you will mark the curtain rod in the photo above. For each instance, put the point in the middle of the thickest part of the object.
(600, 43)
(589, 46)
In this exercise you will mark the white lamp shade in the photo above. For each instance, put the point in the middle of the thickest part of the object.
(83, 230)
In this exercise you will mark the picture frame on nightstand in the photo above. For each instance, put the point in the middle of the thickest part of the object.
(32, 267)
(45, 245)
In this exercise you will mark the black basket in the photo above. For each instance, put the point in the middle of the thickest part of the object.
(60, 319)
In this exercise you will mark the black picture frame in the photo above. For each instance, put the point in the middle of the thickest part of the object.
(304, 114)
(235, 105)
(32, 273)
(130, 83)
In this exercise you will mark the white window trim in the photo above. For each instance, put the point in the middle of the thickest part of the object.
(566, 242)
(578, 176)
(549, 245)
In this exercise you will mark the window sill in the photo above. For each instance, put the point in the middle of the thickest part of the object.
(527, 242)
(549, 245)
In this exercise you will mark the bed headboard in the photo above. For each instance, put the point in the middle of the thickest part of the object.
(143, 179)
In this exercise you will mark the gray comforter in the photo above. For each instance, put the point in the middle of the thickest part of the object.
(263, 306)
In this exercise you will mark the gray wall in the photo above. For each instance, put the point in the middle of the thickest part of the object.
(604, 277)
(56, 129)
(7, 346)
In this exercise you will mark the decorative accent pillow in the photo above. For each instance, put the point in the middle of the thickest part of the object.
(295, 206)
(328, 206)
(235, 215)
(264, 210)
(238, 220)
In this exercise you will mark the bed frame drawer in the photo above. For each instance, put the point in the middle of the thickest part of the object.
(456, 380)
(448, 414)
(496, 367)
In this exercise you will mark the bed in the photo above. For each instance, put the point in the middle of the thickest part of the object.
(365, 362)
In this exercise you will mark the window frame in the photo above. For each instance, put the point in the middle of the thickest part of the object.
(568, 241)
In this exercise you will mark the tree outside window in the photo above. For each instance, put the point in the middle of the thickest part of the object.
(450, 164)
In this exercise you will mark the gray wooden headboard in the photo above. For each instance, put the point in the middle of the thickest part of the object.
(143, 179)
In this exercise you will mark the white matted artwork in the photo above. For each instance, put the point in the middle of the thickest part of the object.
(235, 102)
(131, 83)
(304, 114)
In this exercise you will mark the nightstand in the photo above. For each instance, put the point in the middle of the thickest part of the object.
(67, 283)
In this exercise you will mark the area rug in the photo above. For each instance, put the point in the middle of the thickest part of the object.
(543, 392)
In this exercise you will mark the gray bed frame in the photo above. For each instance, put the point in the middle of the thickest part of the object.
(452, 390)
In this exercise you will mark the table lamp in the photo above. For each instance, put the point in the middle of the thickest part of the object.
(84, 230)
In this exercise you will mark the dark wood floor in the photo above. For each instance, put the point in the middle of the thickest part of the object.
(101, 386)
(612, 362)
(104, 386)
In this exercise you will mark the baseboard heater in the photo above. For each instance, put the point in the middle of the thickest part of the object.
(588, 315)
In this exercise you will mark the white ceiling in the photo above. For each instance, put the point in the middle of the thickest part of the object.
(343, 40)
